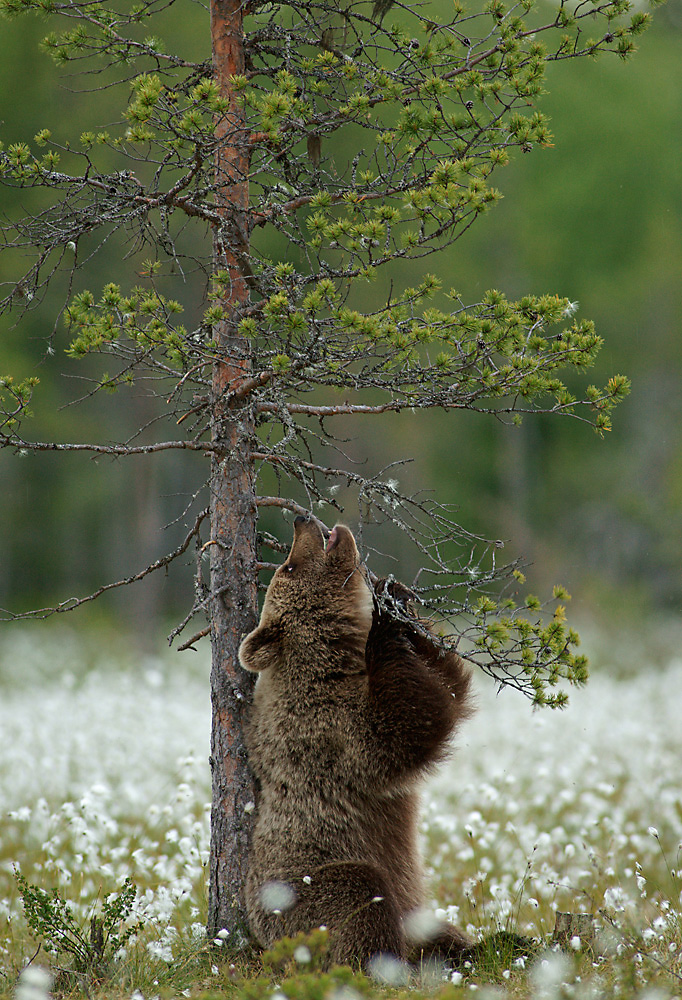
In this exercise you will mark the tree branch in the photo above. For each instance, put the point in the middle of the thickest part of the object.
(104, 449)
(285, 504)
(76, 602)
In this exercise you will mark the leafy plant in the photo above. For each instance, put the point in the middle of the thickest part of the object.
(288, 954)
(296, 963)
(88, 950)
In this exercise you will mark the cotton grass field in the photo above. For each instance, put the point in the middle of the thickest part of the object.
(104, 776)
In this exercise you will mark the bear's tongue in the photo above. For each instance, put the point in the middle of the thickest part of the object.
(332, 540)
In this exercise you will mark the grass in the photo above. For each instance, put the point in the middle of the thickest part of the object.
(104, 777)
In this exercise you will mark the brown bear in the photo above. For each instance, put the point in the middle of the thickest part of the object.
(352, 709)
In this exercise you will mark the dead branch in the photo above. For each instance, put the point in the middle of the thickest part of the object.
(76, 602)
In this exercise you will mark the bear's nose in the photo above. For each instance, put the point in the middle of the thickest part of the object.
(300, 519)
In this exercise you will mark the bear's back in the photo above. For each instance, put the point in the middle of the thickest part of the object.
(310, 745)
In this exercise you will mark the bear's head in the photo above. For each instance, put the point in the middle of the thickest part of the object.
(318, 597)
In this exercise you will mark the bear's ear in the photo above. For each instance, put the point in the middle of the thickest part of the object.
(260, 649)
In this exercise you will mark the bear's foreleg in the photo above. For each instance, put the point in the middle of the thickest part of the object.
(448, 666)
(413, 708)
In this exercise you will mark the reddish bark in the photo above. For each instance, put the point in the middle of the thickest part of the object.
(233, 503)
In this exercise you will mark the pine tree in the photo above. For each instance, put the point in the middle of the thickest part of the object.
(353, 136)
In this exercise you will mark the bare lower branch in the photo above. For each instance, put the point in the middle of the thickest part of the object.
(76, 602)
(195, 638)
(331, 411)
(396, 406)
(120, 450)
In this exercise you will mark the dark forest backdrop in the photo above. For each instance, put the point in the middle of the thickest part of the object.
(597, 218)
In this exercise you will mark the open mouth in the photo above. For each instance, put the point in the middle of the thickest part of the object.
(332, 540)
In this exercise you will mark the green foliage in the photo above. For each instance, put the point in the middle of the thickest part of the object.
(14, 400)
(141, 322)
(503, 632)
(54, 925)
(366, 145)
(421, 188)
(289, 955)
(297, 965)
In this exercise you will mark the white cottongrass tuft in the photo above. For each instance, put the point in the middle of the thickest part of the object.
(549, 974)
(160, 950)
(421, 924)
(277, 896)
(387, 970)
(34, 984)
(343, 993)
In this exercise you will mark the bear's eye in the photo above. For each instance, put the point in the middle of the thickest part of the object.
(290, 567)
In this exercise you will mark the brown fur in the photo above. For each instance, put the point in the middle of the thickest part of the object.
(352, 708)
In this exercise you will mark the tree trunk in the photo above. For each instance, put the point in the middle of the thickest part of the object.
(233, 505)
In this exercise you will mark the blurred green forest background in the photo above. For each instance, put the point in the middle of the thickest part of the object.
(597, 218)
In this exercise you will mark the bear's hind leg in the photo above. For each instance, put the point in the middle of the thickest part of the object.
(353, 900)
(448, 944)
